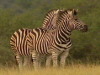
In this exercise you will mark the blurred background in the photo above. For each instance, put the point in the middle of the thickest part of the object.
(15, 14)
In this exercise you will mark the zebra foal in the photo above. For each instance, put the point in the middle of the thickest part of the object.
(57, 41)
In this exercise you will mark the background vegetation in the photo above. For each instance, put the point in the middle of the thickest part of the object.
(15, 14)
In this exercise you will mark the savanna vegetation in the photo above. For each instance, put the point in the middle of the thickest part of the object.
(69, 70)
(15, 14)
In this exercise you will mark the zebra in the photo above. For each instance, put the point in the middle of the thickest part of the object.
(57, 41)
(18, 39)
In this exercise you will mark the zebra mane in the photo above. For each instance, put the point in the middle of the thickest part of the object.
(50, 19)
(54, 17)
(63, 13)
(61, 16)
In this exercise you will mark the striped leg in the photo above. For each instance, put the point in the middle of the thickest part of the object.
(55, 59)
(39, 60)
(35, 60)
(27, 61)
(63, 58)
(48, 61)
(19, 61)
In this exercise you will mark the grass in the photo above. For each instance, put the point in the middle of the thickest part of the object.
(69, 70)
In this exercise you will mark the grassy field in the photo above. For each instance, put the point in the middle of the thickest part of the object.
(69, 70)
(15, 14)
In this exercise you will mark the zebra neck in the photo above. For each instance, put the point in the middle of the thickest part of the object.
(62, 35)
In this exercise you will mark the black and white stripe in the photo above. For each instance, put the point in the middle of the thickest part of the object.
(20, 48)
(18, 40)
(51, 19)
(58, 41)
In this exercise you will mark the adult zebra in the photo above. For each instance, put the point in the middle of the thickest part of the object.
(58, 41)
(18, 39)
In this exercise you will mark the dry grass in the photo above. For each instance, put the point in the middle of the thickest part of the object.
(69, 70)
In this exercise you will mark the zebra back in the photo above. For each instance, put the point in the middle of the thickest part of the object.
(18, 39)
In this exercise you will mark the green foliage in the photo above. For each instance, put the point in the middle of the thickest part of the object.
(15, 14)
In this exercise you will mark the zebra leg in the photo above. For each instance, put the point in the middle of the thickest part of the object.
(35, 60)
(55, 59)
(48, 61)
(63, 58)
(19, 61)
(27, 61)
(39, 60)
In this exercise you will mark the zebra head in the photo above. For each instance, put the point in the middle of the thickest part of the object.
(70, 18)
(75, 22)
(51, 19)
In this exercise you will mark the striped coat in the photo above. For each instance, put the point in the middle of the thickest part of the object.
(18, 39)
(58, 41)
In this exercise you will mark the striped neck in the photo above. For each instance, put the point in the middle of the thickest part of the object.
(63, 30)
(64, 22)
(62, 35)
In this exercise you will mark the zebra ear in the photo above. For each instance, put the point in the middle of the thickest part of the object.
(56, 14)
(60, 11)
(75, 11)
(70, 12)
